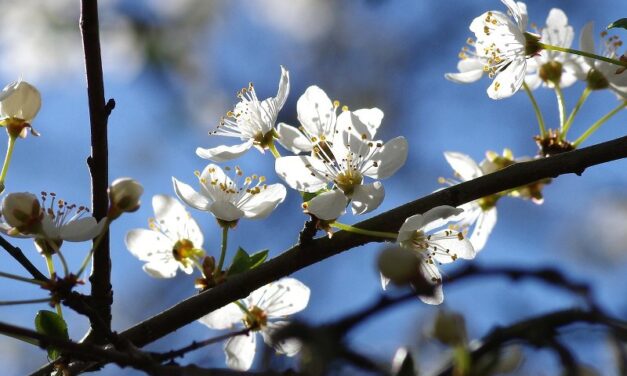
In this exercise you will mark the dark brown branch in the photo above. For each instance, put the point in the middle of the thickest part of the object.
(299, 257)
(196, 345)
(19, 256)
(98, 160)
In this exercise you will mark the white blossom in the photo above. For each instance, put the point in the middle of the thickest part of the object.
(124, 195)
(173, 242)
(344, 161)
(222, 197)
(19, 104)
(252, 121)
(418, 234)
(263, 311)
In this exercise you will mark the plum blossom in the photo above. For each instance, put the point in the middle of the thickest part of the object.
(550, 67)
(434, 245)
(600, 74)
(48, 220)
(252, 121)
(501, 50)
(262, 312)
(318, 118)
(350, 156)
(222, 197)
(173, 242)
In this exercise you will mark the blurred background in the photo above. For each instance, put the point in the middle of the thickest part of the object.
(174, 67)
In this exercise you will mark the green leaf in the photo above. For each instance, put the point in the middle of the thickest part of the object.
(241, 262)
(258, 258)
(308, 196)
(622, 24)
(51, 324)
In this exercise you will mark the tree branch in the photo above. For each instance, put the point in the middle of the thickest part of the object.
(301, 256)
(19, 256)
(98, 160)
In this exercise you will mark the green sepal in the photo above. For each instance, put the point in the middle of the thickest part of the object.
(621, 24)
(52, 325)
(243, 262)
(308, 196)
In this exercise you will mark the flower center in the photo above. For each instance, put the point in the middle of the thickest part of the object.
(348, 180)
(256, 318)
(488, 202)
(596, 80)
(185, 253)
(263, 140)
(551, 72)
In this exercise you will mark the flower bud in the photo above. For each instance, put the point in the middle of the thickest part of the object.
(124, 194)
(20, 100)
(400, 265)
(450, 328)
(23, 212)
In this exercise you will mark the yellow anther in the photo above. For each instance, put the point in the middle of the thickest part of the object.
(336, 103)
(345, 108)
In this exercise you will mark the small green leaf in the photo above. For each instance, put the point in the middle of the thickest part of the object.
(622, 24)
(241, 262)
(258, 258)
(308, 196)
(52, 325)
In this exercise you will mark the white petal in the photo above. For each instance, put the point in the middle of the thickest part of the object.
(456, 248)
(260, 205)
(301, 173)
(431, 272)
(293, 139)
(189, 196)
(173, 218)
(371, 118)
(81, 229)
(439, 216)
(224, 153)
(508, 81)
(226, 211)
(463, 165)
(288, 347)
(363, 122)
(281, 298)
(20, 100)
(586, 42)
(211, 175)
(411, 225)
(470, 70)
(390, 158)
(315, 111)
(368, 197)
(284, 89)
(328, 205)
(145, 244)
(159, 269)
(483, 227)
(384, 281)
(223, 318)
(240, 351)
(518, 11)
(436, 299)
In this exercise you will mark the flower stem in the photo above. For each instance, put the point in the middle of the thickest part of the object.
(7, 161)
(274, 150)
(536, 108)
(23, 279)
(599, 123)
(378, 234)
(582, 53)
(561, 105)
(225, 235)
(571, 117)
(50, 265)
(95, 245)
(28, 301)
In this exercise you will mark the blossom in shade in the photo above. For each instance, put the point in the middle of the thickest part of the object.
(263, 311)
(226, 199)
(434, 244)
(252, 121)
(318, 119)
(174, 240)
(344, 161)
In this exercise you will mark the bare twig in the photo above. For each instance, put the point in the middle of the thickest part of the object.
(19, 256)
(196, 345)
(98, 160)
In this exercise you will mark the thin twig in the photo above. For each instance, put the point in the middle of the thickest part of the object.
(19, 256)
(162, 357)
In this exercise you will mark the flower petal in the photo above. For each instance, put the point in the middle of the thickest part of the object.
(240, 351)
(175, 220)
(281, 298)
(81, 230)
(260, 205)
(586, 42)
(284, 89)
(508, 81)
(463, 165)
(301, 173)
(390, 158)
(433, 276)
(328, 205)
(288, 347)
(483, 227)
(368, 197)
(226, 211)
(384, 281)
(454, 246)
(189, 196)
(316, 112)
(363, 123)
(470, 70)
(223, 318)
(159, 269)
(224, 153)
(293, 139)
(146, 244)
(439, 216)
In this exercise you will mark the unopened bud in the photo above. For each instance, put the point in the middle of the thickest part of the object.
(400, 265)
(450, 328)
(23, 212)
(124, 194)
(20, 100)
